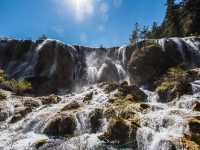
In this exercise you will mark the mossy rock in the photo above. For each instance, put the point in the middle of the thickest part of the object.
(60, 125)
(174, 83)
(2, 76)
(188, 144)
(96, 119)
(194, 128)
(2, 96)
(120, 132)
(40, 143)
(51, 99)
(19, 87)
(71, 106)
(20, 113)
(137, 94)
(88, 97)
(31, 103)
(196, 106)
(109, 87)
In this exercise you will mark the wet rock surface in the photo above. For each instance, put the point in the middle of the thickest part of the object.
(60, 125)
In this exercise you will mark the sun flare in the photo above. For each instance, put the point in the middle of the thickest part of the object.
(81, 8)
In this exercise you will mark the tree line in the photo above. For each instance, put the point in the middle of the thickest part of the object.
(181, 19)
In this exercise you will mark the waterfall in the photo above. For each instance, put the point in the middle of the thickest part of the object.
(180, 47)
(159, 127)
(77, 57)
(192, 43)
(26, 69)
(162, 42)
(120, 54)
(92, 74)
(96, 65)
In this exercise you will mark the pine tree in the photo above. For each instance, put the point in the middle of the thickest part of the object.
(191, 20)
(171, 23)
(43, 37)
(135, 34)
(144, 32)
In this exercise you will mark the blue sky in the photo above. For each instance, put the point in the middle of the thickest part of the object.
(85, 22)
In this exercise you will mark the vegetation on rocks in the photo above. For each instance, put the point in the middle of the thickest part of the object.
(51, 99)
(40, 143)
(18, 87)
(71, 106)
(194, 128)
(174, 83)
(121, 132)
(188, 144)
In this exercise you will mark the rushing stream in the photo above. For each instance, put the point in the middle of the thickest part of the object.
(163, 123)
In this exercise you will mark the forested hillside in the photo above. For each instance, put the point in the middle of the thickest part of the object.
(181, 19)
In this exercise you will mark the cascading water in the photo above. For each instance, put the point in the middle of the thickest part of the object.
(96, 65)
(27, 68)
(159, 127)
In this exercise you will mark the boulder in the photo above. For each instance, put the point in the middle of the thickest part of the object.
(51, 99)
(196, 106)
(31, 103)
(194, 128)
(174, 83)
(71, 106)
(3, 116)
(88, 97)
(96, 119)
(60, 125)
(138, 95)
(188, 144)
(20, 113)
(40, 143)
(123, 90)
(121, 132)
(150, 61)
(168, 91)
(51, 144)
(2, 96)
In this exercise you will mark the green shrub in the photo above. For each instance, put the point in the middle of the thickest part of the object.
(172, 76)
(176, 73)
(166, 85)
(13, 85)
(16, 86)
